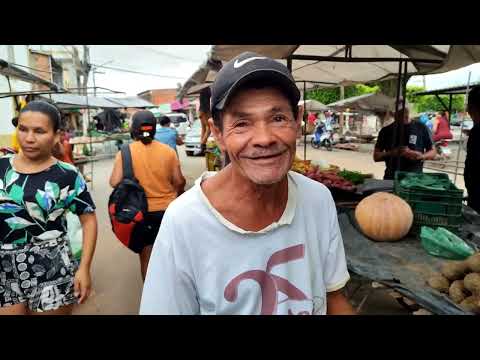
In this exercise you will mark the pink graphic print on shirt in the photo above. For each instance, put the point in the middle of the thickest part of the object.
(271, 284)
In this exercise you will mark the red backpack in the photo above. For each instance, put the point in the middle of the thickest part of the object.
(127, 206)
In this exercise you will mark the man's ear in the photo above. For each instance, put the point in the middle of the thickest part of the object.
(217, 134)
(299, 118)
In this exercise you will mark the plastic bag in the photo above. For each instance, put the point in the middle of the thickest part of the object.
(75, 235)
(443, 243)
(425, 182)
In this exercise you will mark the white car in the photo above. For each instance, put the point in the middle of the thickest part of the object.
(179, 122)
(192, 140)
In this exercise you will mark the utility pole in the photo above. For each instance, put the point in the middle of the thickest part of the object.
(86, 67)
(342, 96)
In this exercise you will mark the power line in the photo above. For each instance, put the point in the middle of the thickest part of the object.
(138, 72)
(163, 53)
(28, 67)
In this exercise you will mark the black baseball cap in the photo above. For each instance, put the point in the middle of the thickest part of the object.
(143, 122)
(247, 67)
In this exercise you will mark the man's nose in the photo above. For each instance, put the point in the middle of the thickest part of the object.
(263, 134)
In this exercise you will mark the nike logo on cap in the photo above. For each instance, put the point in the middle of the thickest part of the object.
(237, 64)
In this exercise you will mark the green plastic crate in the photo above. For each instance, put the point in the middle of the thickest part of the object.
(433, 207)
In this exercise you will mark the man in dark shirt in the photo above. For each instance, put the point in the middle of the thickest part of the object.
(471, 173)
(414, 147)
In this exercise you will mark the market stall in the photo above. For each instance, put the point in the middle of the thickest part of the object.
(402, 265)
(451, 166)
(401, 250)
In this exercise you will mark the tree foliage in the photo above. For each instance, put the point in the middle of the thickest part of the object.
(329, 95)
(420, 103)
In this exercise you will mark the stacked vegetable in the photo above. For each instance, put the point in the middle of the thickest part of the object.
(329, 175)
(330, 178)
(461, 281)
(353, 176)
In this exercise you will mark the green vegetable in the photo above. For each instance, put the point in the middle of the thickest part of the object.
(352, 176)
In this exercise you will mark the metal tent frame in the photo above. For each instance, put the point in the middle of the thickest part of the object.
(451, 91)
(402, 78)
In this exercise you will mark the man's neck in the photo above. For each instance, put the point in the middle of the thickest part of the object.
(246, 204)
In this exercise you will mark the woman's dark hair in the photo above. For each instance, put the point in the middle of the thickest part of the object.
(164, 120)
(254, 84)
(47, 109)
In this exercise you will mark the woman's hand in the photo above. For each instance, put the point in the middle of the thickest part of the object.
(82, 284)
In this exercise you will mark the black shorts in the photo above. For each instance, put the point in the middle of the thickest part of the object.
(38, 275)
(148, 234)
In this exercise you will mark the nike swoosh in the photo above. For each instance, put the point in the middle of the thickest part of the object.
(238, 64)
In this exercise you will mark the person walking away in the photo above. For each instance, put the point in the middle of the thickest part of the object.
(472, 170)
(254, 238)
(38, 274)
(157, 169)
(415, 147)
(166, 134)
(204, 115)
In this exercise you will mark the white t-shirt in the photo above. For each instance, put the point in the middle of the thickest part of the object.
(203, 264)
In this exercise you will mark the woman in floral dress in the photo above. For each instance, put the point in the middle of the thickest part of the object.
(38, 274)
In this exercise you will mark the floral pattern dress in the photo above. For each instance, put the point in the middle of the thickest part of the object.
(36, 262)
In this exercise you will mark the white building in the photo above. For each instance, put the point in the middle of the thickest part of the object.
(14, 54)
(45, 65)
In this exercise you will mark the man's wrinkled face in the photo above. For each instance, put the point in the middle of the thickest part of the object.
(259, 134)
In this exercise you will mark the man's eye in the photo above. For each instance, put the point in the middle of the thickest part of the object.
(241, 124)
(279, 118)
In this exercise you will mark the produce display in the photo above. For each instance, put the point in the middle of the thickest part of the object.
(328, 175)
(384, 217)
(330, 179)
(355, 177)
(460, 280)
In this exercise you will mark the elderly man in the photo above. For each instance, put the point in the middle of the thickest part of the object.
(415, 147)
(254, 238)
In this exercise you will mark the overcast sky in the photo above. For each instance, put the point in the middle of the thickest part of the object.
(176, 63)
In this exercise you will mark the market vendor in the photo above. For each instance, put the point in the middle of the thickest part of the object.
(472, 170)
(415, 147)
(253, 238)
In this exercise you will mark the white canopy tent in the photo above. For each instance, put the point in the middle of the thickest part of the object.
(349, 64)
(340, 65)
(313, 105)
(375, 102)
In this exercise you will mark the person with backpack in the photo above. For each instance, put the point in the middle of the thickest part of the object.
(146, 166)
(38, 272)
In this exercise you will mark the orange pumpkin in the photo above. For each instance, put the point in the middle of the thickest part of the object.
(384, 217)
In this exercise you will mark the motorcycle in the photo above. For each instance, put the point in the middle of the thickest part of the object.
(322, 137)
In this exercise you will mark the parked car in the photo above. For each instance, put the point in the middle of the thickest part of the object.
(192, 139)
(179, 122)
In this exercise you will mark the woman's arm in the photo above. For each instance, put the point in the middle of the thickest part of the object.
(83, 283)
(179, 140)
(117, 172)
